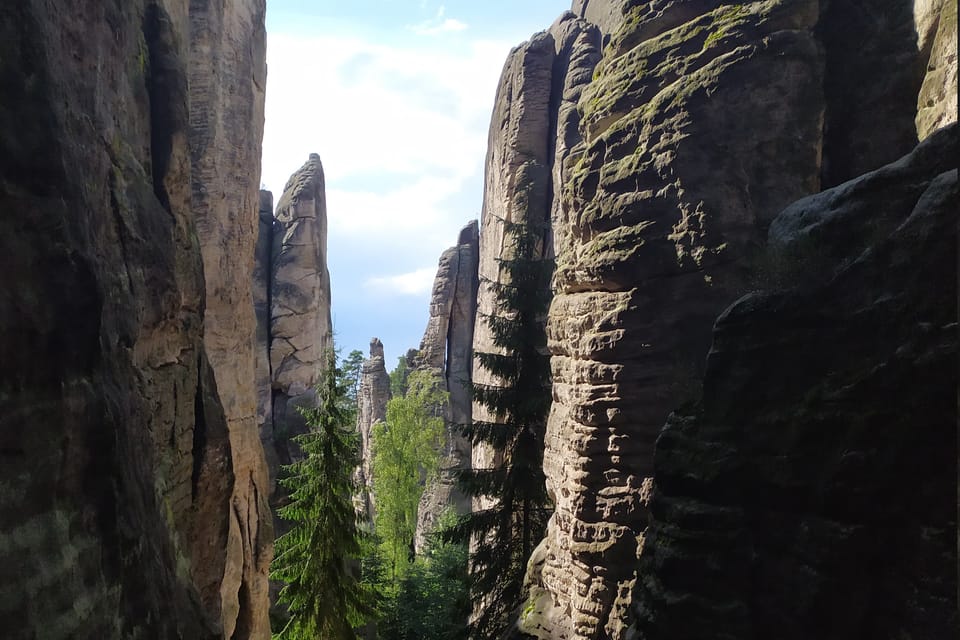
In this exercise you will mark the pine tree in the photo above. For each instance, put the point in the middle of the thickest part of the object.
(503, 535)
(318, 558)
(352, 367)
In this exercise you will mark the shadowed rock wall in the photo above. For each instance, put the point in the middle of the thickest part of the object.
(129, 474)
(667, 161)
(811, 492)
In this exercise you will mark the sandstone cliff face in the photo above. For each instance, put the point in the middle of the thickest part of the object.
(447, 351)
(262, 284)
(291, 300)
(533, 126)
(696, 131)
(128, 474)
(811, 493)
(227, 84)
(606, 14)
(372, 398)
(669, 161)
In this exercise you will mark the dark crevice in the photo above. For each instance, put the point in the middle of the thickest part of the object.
(165, 84)
(244, 627)
(199, 432)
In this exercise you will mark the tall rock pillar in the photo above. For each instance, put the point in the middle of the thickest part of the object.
(447, 352)
(372, 398)
(300, 327)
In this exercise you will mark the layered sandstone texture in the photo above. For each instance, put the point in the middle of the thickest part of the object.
(129, 504)
(446, 351)
(534, 124)
(372, 398)
(811, 492)
(227, 83)
(697, 127)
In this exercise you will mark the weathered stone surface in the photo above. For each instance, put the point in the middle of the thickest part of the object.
(459, 363)
(447, 351)
(117, 482)
(262, 275)
(227, 83)
(811, 492)
(606, 14)
(516, 188)
(372, 398)
(699, 125)
(300, 327)
(534, 125)
(937, 103)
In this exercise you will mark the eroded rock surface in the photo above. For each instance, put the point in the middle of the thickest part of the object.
(606, 14)
(447, 352)
(534, 124)
(300, 327)
(372, 398)
(128, 478)
(262, 275)
(811, 492)
(698, 127)
(937, 103)
(227, 82)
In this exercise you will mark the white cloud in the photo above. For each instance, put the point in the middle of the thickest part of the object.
(438, 25)
(401, 130)
(415, 283)
(432, 27)
(368, 108)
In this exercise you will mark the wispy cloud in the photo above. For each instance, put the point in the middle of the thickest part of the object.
(439, 24)
(432, 27)
(414, 283)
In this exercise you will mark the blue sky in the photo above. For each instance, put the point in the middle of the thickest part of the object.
(395, 96)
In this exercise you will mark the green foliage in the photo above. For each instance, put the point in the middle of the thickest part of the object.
(398, 377)
(406, 452)
(352, 367)
(504, 534)
(318, 559)
(432, 602)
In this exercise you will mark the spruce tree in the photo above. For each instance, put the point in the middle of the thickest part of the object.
(318, 558)
(503, 536)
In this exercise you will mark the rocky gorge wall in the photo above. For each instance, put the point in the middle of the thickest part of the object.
(661, 140)
(810, 491)
(133, 483)
(446, 351)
